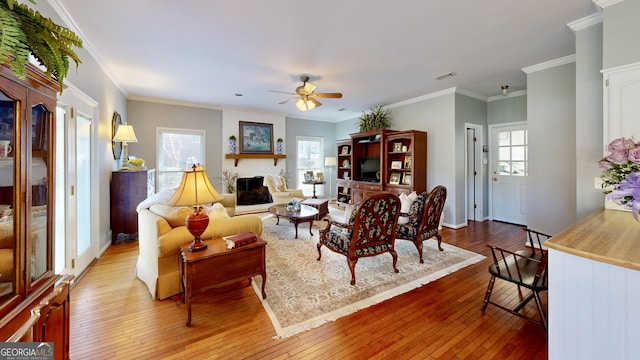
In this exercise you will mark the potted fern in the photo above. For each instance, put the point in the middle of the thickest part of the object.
(377, 118)
(24, 31)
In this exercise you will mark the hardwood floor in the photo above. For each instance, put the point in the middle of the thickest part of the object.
(114, 317)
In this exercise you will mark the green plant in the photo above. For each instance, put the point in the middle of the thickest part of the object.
(279, 140)
(377, 118)
(24, 31)
(232, 137)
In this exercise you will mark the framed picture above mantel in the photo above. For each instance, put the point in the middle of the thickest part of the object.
(256, 138)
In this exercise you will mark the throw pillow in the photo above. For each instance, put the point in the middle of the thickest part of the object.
(175, 215)
(216, 212)
(405, 205)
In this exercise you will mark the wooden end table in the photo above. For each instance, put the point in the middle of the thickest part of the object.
(321, 204)
(218, 266)
(306, 214)
(314, 183)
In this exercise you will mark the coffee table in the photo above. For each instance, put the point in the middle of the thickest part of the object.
(217, 266)
(306, 214)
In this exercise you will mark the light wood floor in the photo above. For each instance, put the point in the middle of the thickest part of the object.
(114, 317)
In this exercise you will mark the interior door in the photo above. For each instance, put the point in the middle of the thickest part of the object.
(473, 175)
(509, 170)
(76, 223)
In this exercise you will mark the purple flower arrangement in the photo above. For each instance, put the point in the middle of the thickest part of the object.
(621, 174)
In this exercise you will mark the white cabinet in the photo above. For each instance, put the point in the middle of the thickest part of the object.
(621, 103)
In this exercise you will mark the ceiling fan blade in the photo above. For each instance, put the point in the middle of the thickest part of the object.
(313, 100)
(286, 101)
(328, 95)
(282, 92)
(308, 88)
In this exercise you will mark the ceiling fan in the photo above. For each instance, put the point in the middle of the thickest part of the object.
(306, 95)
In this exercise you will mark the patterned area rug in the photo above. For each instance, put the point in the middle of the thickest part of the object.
(303, 293)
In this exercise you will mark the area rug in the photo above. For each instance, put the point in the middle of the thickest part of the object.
(303, 293)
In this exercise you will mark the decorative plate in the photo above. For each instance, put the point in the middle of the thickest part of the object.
(345, 163)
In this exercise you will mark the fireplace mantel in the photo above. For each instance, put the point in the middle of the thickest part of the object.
(237, 157)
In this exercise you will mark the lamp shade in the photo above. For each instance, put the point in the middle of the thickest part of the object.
(330, 161)
(194, 189)
(305, 104)
(125, 134)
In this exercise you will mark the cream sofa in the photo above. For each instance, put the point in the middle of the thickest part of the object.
(277, 186)
(161, 232)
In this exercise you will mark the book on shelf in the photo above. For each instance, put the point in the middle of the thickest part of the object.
(238, 240)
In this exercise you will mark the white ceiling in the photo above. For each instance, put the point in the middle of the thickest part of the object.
(374, 52)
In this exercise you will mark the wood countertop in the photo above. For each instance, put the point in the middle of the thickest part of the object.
(608, 236)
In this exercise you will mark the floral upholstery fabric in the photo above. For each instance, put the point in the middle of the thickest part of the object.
(373, 234)
(424, 218)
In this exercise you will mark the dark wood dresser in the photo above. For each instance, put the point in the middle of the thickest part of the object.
(128, 189)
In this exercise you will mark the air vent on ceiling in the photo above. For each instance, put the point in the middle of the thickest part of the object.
(444, 76)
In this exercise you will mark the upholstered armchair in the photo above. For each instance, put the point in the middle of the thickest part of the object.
(370, 231)
(424, 219)
(277, 186)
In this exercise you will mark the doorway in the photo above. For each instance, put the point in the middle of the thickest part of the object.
(473, 173)
(77, 230)
(509, 166)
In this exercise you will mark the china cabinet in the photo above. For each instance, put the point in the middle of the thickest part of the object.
(381, 160)
(34, 302)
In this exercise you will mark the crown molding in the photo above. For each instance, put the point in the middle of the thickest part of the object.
(605, 3)
(470, 94)
(550, 64)
(432, 95)
(509, 95)
(173, 102)
(86, 44)
(585, 22)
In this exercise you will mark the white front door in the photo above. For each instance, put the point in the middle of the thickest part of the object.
(509, 170)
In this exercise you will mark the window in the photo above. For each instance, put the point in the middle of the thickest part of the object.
(310, 158)
(178, 150)
(512, 153)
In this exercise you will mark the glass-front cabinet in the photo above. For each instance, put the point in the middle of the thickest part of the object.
(26, 176)
(27, 280)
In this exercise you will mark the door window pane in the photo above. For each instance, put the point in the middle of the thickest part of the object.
(512, 153)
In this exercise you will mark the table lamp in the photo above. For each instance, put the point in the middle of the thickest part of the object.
(330, 161)
(125, 134)
(195, 190)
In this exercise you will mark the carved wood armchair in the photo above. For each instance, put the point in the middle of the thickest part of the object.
(424, 219)
(370, 231)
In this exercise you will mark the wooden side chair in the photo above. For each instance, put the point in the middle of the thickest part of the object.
(370, 231)
(526, 269)
(424, 219)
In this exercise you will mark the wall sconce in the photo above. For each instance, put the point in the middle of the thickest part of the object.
(505, 89)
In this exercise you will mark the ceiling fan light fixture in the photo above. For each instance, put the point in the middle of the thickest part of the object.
(305, 105)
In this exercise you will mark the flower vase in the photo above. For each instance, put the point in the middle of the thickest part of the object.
(279, 147)
(232, 146)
